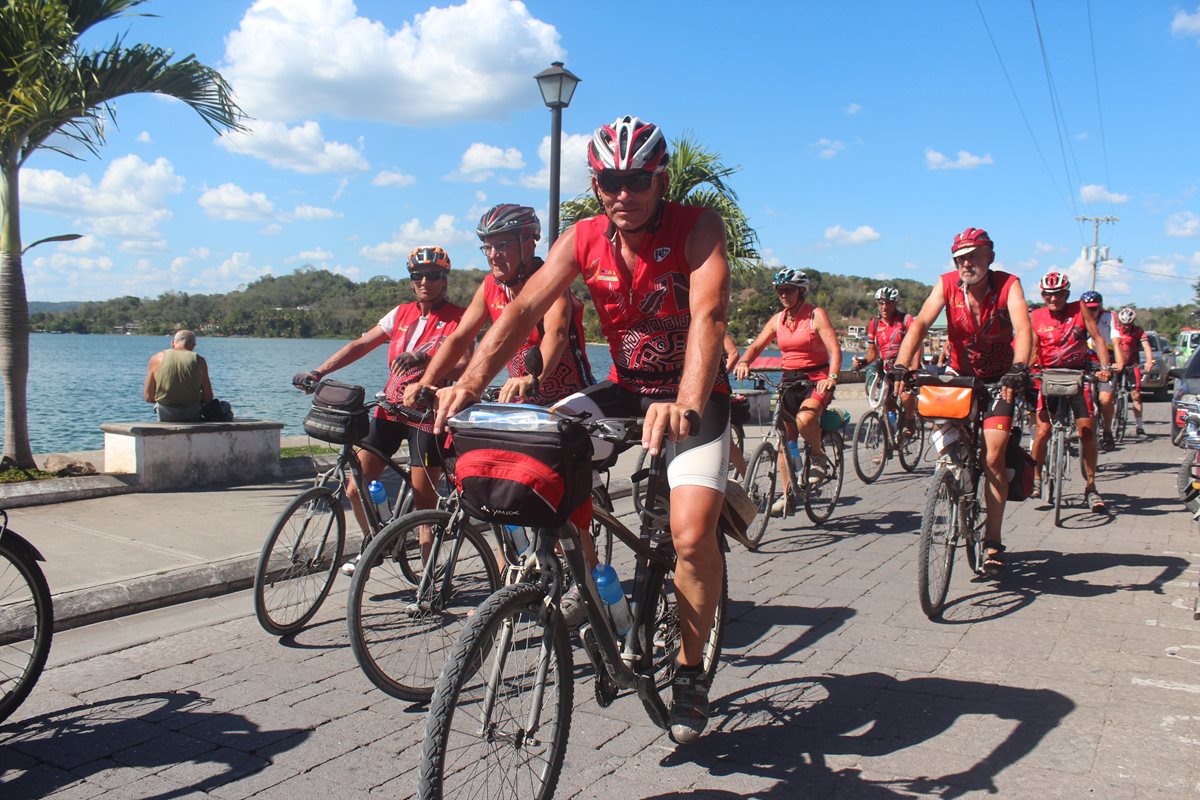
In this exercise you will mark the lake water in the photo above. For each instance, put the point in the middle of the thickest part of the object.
(77, 382)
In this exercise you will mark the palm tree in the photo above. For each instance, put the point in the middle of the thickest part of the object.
(49, 85)
(697, 178)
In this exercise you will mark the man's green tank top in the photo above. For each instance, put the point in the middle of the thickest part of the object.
(178, 380)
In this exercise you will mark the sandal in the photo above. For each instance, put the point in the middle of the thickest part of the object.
(1093, 500)
(993, 557)
(1037, 489)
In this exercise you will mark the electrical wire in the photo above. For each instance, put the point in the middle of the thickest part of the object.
(1055, 108)
(1099, 108)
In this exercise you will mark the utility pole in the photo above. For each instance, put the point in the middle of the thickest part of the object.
(1096, 241)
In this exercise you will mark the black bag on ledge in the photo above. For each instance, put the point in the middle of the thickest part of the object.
(216, 411)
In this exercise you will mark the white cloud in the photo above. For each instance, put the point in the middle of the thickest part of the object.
(828, 148)
(853, 109)
(412, 235)
(145, 138)
(83, 246)
(480, 161)
(390, 178)
(315, 212)
(860, 235)
(301, 148)
(1183, 224)
(1042, 248)
(965, 160)
(1185, 24)
(273, 229)
(233, 203)
(574, 176)
(316, 255)
(239, 268)
(295, 59)
(1095, 193)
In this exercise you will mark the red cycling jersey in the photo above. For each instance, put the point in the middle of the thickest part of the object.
(1060, 339)
(983, 349)
(802, 348)
(401, 322)
(573, 371)
(1129, 339)
(644, 313)
(887, 334)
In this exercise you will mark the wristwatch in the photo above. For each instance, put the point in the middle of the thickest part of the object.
(833, 376)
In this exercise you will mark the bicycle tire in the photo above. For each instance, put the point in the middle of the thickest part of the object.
(26, 626)
(939, 537)
(870, 443)
(602, 499)
(1120, 416)
(291, 582)
(738, 434)
(876, 387)
(456, 756)
(820, 501)
(400, 635)
(638, 488)
(660, 631)
(910, 448)
(761, 477)
(1060, 473)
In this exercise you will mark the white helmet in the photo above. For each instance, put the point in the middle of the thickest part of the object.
(887, 293)
(1126, 316)
(628, 144)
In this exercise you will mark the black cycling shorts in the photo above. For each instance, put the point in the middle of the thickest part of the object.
(387, 435)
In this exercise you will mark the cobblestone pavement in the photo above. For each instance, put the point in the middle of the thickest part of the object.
(1074, 676)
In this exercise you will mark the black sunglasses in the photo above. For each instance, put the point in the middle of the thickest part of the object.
(417, 277)
(611, 182)
(1055, 293)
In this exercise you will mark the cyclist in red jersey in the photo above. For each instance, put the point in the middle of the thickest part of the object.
(509, 234)
(810, 350)
(885, 332)
(987, 327)
(659, 279)
(1105, 324)
(1060, 333)
(414, 332)
(1128, 336)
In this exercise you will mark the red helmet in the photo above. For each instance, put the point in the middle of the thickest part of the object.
(968, 240)
(628, 144)
(1055, 282)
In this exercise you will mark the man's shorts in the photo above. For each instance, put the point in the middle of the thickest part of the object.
(700, 460)
(387, 435)
(1081, 404)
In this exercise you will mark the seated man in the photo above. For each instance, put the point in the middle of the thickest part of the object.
(177, 381)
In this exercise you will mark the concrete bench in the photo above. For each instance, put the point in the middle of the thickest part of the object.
(165, 455)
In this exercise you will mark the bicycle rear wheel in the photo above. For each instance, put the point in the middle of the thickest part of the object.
(299, 561)
(400, 632)
(939, 536)
(760, 486)
(26, 626)
(870, 447)
(821, 499)
(512, 659)
(910, 448)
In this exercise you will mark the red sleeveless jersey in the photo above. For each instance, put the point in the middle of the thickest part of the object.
(573, 371)
(984, 350)
(644, 314)
(1060, 339)
(802, 348)
(1129, 339)
(403, 319)
(887, 334)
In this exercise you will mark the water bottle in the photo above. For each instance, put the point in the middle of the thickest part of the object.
(892, 418)
(519, 539)
(794, 450)
(608, 585)
(380, 499)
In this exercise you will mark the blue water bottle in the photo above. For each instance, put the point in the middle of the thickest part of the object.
(892, 418)
(380, 499)
(794, 450)
(608, 585)
(519, 539)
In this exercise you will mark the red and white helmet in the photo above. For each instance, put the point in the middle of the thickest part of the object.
(628, 144)
(1054, 281)
(1126, 316)
(968, 241)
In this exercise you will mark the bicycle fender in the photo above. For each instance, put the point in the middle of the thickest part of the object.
(14, 541)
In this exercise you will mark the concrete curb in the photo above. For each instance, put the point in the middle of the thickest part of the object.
(63, 490)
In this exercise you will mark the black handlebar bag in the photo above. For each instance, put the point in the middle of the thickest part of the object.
(520, 464)
(338, 414)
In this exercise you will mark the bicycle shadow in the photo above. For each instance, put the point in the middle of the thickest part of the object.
(803, 537)
(1130, 505)
(785, 731)
(1051, 572)
(759, 621)
(150, 732)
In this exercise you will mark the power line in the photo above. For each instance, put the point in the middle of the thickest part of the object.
(1055, 107)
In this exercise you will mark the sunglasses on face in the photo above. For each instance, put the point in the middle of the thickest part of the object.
(495, 247)
(418, 277)
(611, 182)
(1054, 294)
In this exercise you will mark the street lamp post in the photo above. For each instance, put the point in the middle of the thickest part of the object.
(558, 86)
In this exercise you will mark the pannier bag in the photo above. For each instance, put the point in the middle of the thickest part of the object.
(945, 397)
(738, 510)
(337, 414)
(520, 464)
(834, 419)
(1021, 465)
(1061, 382)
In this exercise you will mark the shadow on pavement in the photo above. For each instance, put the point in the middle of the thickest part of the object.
(785, 731)
(1051, 572)
(150, 732)
(761, 621)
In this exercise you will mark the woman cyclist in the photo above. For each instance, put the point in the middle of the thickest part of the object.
(809, 346)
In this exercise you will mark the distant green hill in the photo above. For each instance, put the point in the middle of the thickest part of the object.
(42, 307)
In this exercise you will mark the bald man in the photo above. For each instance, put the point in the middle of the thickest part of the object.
(177, 381)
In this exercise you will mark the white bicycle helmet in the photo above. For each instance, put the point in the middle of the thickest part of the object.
(887, 293)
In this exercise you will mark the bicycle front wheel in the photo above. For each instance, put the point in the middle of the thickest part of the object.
(299, 561)
(910, 448)
(820, 499)
(1059, 467)
(760, 486)
(401, 633)
(939, 535)
(1120, 416)
(26, 626)
(501, 712)
(870, 447)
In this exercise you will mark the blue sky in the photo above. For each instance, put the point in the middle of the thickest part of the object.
(867, 134)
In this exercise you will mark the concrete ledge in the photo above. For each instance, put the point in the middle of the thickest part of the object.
(166, 455)
(63, 490)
